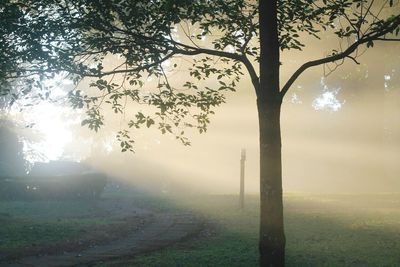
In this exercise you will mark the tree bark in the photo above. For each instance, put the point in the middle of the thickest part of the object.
(272, 238)
(269, 99)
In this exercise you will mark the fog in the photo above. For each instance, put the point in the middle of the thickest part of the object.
(340, 135)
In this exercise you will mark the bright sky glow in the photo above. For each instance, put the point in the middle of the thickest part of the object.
(295, 99)
(50, 122)
(229, 49)
(108, 145)
(327, 100)
(387, 79)
(166, 64)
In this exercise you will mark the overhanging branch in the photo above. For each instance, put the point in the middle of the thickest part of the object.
(377, 36)
(389, 39)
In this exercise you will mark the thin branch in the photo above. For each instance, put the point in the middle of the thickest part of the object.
(137, 69)
(339, 56)
(354, 59)
(253, 75)
(389, 39)
(197, 51)
(331, 70)
(187, 34)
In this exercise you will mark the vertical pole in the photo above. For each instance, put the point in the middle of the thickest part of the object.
(242, 165)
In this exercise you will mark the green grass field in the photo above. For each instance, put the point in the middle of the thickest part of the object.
(329, 230)
(321, 230)
(27, 224)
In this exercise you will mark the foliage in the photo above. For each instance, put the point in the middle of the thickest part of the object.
(12, 161)
(129, 50)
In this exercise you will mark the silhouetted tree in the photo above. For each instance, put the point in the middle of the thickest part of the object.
(153, 38)
(12, 161)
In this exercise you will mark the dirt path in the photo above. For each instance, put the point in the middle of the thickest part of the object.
(165, 229)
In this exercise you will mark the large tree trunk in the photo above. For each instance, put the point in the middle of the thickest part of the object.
(272, 238)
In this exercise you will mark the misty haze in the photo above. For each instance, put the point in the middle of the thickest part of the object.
(172, 133)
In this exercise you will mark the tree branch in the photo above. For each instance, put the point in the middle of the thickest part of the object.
(253, 75)
(192, 51)
(99, 75)
(345, 54)
(389, 39)
(354, 59)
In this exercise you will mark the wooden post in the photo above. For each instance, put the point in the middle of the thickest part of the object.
(242, 165)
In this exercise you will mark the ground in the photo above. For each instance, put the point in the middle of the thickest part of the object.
(69, 233)
(200, 230)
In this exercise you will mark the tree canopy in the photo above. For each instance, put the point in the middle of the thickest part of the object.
(123, 51)
(120, 44)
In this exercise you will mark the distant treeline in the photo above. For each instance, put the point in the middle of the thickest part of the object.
(85, 186)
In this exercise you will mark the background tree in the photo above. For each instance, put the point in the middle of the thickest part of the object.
(12, 160)
(151, 39)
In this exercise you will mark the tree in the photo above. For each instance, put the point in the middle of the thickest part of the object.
(12, 161)
(221, 37)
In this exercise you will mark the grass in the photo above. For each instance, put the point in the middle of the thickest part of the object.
(26, 224)
(321, 230)
(24, 233)
(330, 230)
(45, 209)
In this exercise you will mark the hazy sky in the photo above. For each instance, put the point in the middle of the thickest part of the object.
(340, 134)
